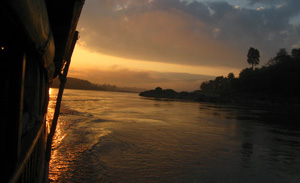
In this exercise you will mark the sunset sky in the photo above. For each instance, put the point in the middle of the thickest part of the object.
(178, 44)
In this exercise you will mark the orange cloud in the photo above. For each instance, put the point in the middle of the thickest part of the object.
(171, 36)
(195, 33)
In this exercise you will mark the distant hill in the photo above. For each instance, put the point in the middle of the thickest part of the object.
(75, 83)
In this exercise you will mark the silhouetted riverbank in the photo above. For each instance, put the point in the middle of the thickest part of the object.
(275, 83)
(218, 97)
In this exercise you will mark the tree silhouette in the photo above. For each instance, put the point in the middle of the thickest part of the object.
(230, 76)
(253, 57)
(158, 89)
(279, 79)
(282, 56)
(296, 53)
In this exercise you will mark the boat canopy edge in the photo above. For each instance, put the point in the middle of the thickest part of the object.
(32, 18)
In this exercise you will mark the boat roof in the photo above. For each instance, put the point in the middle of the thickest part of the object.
(63, 18)
(49, 27)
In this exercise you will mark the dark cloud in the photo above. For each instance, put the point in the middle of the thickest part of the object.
(268, 2)
(174, 31)
(268, 29)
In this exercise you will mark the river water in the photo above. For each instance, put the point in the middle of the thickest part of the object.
(122, 137)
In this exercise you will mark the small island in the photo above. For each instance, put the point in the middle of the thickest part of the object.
(276, 82)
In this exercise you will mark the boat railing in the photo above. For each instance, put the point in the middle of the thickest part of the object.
(32, 162)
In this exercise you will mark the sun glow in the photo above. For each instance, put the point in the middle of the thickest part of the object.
(50, 91)
(86, 59)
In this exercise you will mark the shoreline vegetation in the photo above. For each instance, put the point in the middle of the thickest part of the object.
(275, 83)
(217, 97)
(80, 84)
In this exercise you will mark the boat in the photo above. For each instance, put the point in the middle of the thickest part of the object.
(37, 39)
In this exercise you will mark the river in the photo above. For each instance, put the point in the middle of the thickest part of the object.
(122, 137)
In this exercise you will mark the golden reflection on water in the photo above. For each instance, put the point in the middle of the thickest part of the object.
(64, 154)
(51, 108)
(55, 168)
